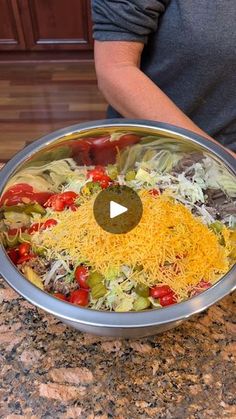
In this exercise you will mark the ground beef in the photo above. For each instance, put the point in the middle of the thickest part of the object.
(62, 286)
(39, 265)
(218, 200)
(187, 161)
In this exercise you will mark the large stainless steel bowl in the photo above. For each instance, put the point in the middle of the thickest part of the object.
(69, 140)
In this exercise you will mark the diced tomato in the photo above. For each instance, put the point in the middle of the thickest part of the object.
(103, 151)
(58, 205)
(105, 181)
(81, 276)
(99, 175)
(160, 291)
(13, 255)
(34, 228)
(23, 193)
(25, 258)
(127, 139)
(59, 202)
(49, 223)
(81, 152)
(69, 197)
(154, 192)
(24, 249)
(60, 296)
(15, 231)
(168, 299)
(12, 231)
(96, 173)
(73, 207)
(200, 287)
(79, 297)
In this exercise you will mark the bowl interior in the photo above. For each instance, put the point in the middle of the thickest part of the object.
(87, 145)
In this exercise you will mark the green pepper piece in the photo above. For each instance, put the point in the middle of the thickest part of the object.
(90, 188)
(216, 227)
(141, 303)
(37, 208)
(94, 279)
(98, 291)
(27, 209)
(142, 290)
(130, 175)
(13, 208)
(40, 251)
(138, 268)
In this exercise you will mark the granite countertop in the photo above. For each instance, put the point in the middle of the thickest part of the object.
(51, 371)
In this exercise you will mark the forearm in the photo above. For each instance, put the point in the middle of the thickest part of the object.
(134, 95)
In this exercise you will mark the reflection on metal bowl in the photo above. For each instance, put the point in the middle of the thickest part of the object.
(87, 144)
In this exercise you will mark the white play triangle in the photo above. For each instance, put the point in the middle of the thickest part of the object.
(116, 209)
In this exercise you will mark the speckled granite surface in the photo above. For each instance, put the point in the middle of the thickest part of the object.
(51, 371)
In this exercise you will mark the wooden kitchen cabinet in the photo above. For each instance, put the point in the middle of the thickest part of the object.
(41, 25)
(11, 32)
(56, 24)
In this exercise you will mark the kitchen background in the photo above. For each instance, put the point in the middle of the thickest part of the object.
(47, 76)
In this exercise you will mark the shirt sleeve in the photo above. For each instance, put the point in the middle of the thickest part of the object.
(126, 20)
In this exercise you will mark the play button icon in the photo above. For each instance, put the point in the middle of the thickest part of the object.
(118, 209)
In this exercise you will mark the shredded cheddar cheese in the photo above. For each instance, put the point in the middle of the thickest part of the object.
(172, 246)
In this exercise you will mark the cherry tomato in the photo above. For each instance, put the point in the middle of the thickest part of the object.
(24, 249)
(154, 192)
(49, 223)
(60, 296)
(168, 299)
(160, 291)
(104, 181)
(81, 276)
(79, 297)
(25, 258)
(34, 228)
(13, 255)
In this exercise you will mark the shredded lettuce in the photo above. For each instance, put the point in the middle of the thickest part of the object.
(48, 177)
(112, 273)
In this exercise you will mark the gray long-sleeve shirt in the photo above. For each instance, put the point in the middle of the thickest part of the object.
(190, 53)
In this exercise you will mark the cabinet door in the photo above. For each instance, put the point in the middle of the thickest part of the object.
(11, 34)
(57, 24)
